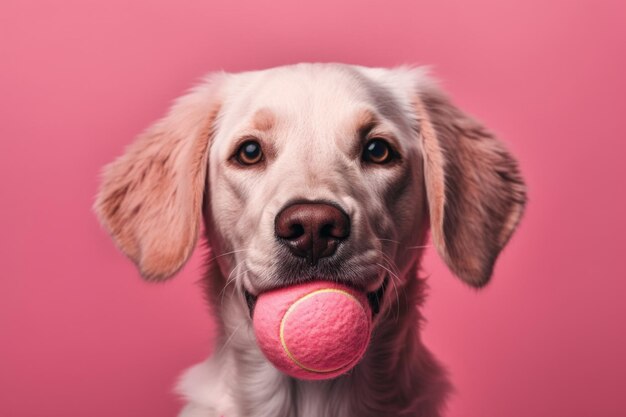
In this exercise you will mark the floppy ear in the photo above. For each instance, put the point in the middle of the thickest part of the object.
(475, 192)
(150, 198)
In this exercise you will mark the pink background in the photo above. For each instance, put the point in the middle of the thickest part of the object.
(82, 335)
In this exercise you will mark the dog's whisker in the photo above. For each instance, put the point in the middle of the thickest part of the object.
(398, 281)
(226, 253)
(390, 263)
(394, 286)
(419, 247)
(230, 280)
(230, 337)
(395, 280)
(239, 285)
(387, 240)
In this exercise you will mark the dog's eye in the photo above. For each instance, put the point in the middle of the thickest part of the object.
(377, 151)
(249, 153)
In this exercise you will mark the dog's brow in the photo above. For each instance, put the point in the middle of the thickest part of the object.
(263, 120)
(362, 122)
(365, 121)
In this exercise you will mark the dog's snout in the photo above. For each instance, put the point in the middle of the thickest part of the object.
(312, 230)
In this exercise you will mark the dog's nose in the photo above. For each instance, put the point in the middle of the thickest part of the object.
(312, 230)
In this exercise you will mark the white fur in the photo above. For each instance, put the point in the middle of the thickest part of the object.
(452, 173)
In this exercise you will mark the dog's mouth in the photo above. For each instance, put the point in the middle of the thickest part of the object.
(374, 298)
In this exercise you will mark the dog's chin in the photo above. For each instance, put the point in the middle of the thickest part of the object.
(374, 298)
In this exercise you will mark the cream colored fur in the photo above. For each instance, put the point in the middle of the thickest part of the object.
(453, 177)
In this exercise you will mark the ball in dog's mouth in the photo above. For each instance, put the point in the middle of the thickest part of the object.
(374, 298)
(316, 330)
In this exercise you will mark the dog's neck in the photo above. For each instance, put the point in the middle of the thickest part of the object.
(398, 376)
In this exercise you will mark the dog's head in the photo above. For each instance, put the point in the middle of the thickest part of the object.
(314, 171)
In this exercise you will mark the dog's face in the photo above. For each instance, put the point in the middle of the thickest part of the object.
(316, 171)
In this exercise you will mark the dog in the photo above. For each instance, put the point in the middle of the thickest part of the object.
(384, 153)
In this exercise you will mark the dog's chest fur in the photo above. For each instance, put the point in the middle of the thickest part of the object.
(397, 377)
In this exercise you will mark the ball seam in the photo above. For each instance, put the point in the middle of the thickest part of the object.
(293, 306)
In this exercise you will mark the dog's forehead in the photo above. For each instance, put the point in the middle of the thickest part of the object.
(305, 94)
(304, 101)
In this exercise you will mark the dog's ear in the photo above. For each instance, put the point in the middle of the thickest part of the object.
(476, 195)
(150, 198)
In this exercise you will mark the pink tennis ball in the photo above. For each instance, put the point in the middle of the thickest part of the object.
(313, 331)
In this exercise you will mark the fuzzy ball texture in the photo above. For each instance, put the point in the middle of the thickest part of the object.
(313, 331)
